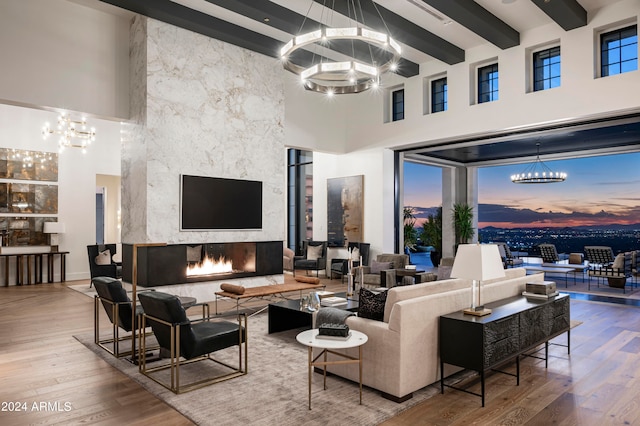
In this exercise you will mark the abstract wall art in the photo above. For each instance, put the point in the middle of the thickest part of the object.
(345, 204)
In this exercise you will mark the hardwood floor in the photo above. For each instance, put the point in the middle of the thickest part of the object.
(43, 367)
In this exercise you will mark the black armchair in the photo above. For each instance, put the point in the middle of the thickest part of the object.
(615, 272)
(314, 257)
(340, 267)
(101, 262)
(549, 253)
(508, 259)
(118, 306)
(188, 341)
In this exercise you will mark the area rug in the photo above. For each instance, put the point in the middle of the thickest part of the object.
(275, 391)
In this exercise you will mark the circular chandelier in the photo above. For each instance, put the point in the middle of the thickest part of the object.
(73, 133)
(538, 172)
(351, 76)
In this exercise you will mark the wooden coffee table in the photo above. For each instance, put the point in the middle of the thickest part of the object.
(310, 340)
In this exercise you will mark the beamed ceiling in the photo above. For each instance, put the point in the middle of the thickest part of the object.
(428, 30)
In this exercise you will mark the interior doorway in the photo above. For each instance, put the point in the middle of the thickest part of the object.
(108, 209)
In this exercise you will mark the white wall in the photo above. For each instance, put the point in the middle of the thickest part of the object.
(312, 121)
(580, 94)
(377, 168)
(20, 128)
(354, 124)
(210, 109)
(57, 53)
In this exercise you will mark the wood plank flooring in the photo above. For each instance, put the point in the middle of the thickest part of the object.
(41, 363)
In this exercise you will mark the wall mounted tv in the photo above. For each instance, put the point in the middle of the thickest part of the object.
(208, 203)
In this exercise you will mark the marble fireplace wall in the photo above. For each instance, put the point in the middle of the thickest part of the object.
(201, 107)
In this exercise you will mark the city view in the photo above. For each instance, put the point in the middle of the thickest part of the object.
(598, 204)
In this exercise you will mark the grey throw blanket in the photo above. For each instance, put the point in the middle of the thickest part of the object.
(330, 315)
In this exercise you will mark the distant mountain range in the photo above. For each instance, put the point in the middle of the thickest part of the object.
(613, 226)
(523, 218)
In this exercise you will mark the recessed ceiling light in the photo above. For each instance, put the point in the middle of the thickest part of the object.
(508, 1)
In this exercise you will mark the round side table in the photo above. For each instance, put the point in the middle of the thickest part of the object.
(310, 340)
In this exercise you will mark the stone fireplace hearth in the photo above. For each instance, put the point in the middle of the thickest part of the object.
(168, 264)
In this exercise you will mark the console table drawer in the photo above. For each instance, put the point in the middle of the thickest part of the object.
(501, 350)
(500, 330)
(561, 308)
(535, 324)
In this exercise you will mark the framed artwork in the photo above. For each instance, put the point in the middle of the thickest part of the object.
(24, 202)
(23, 198)
(28, 165)
(345, 204)
(24, 231)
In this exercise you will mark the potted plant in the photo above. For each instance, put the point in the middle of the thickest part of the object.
(432, 235)
(410, 233)
(463, 223)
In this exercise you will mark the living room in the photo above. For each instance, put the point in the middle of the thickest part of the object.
(213, 109)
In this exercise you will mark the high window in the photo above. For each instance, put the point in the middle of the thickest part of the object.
(397, 105)
(619, 51)
(439, 95)
(299, 198)
(488, 83)
(546, 69)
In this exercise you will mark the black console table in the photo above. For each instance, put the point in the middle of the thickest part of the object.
(515, 327)
(29, 266)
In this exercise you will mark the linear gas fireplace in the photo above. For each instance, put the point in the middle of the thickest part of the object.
(190, 263)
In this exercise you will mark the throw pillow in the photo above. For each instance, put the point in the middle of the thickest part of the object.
(444, 272)
(618, 262)
(377, 267)
(232, 288)
(355, 254)
(314, 252)
(371, 305)
(194, 254)
(104, 257)
(307, 280)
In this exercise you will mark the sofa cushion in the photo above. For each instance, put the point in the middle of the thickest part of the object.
(372, 279)
(398, 294)
(371, 305)
(399, 260)
(377, 267)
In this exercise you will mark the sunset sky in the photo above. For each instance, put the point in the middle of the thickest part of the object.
(598, 190)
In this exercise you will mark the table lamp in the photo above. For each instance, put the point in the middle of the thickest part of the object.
(54, 228)
(477, 262)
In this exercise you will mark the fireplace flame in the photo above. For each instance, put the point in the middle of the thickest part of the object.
(210, 266)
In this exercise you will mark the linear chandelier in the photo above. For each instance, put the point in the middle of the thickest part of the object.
(351, 76)
(73, 133)
(538, 172)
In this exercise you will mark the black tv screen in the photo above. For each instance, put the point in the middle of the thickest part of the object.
(218, 203)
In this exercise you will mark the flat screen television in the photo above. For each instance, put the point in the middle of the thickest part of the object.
(208, 203)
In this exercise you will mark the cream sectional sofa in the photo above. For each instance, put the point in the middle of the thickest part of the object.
(401, 355)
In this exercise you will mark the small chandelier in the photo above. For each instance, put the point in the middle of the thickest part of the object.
(352, 76)
(538, 172)
(73, 133)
